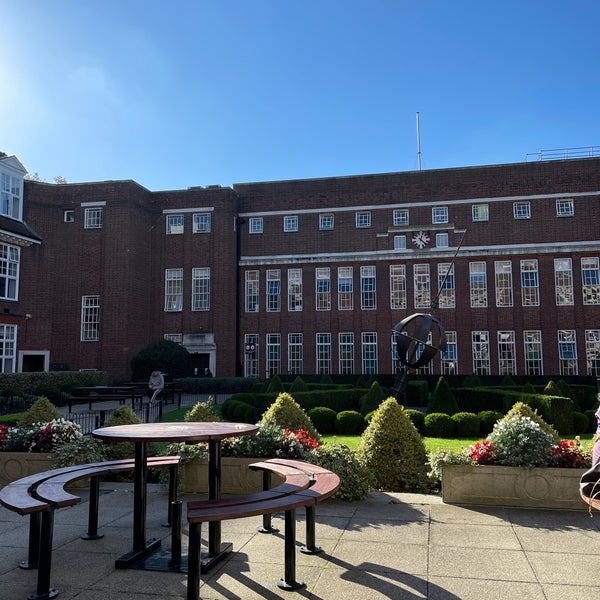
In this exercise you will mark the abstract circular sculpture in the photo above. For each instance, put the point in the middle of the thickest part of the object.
(420, 337)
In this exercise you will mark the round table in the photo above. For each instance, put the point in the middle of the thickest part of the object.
(142, 433)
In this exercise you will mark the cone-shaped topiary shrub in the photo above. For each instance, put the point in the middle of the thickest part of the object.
(392, 449)
(520, 409)
(298, 385)
(201, 411)
(442, 399)
(286, 413)
(41, 411)
(275, 385)
(372, 399)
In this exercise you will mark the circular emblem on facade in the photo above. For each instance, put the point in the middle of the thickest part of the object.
(421, 239)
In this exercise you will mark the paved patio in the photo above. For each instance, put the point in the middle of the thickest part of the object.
(394, 546)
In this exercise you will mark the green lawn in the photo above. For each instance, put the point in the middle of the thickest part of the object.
(352, 441)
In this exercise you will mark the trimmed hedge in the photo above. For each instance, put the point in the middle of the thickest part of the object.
(323, 419)
(350, 422)
(438, 425)
(417, 418)
(466, 424)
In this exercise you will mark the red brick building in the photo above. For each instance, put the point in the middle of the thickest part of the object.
(311, 276)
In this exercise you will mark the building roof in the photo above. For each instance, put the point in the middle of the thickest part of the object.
(18, 232)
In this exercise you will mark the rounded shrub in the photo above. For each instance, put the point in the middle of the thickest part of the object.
(487, 420)
(466, 424)
(349, 422)
(323, 418)
(356, 481)
(521, 442)
(243, 413)
(124, 415)
(392, 449)
(580, 423)
(417, 418)
(286, 413)
(438, 425)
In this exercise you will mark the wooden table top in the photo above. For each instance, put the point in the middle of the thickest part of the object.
(193, 431)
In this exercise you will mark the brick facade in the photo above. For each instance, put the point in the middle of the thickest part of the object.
(123, 263)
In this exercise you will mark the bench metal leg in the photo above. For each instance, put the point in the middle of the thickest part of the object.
(194, 560)
(267, 526)
(33, 553)
(43, 591)
(92, 532)
(311, 546)
(289, 579)
(176, 534)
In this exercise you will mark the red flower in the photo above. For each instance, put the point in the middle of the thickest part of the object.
(481, 452)
(567, 454)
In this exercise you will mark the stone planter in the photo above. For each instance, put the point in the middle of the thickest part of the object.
(512, 486)
(236, 477)
(14, 465)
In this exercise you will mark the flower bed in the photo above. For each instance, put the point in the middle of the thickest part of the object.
(512, 486)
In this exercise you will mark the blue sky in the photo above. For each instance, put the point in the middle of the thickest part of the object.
(202, 92)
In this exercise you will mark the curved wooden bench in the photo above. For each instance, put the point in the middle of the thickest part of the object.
(324, 484)
(297, 490)
(39, 495)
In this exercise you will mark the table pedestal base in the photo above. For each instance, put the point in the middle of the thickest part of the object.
(161, 559)
(128, 560)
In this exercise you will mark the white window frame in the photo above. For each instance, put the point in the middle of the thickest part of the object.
(400, 217)
(345, 288)
(93, 217)
(290, 223)
(530, 293)
(369, 352)
(398, 287)
(590, 280)
(400, 242)
(323, 288)
(11, 195)
(326, 222)
(507, 353)
(174, 337)
(532, 352)
(273, 290)
(252, 291)
(504, 283)
(346, 353)
(480, 212)
(173, 290)
(480, 343)
(592, 352)
(478, 284)
(10, 267)
(422, 286)
(69, 216)
(251, 359)
(450, 354)
(273, 357)
(294, 290)
(522, 210)
(563, 282)
(567, 352)
(441, 240)
(255, 225)
(446, 286)
(368, 288)
(295, 353)
(175, 224)
(201, 288)
(363, 219)
(565, 207)
(90, 318)
(439, 214)
(8, 348)
(201, 222)
(323, 353)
